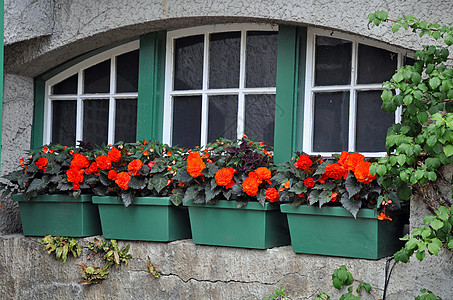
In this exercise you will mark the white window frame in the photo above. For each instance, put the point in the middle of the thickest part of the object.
(241, 91)
(80, 96)
(352, 88)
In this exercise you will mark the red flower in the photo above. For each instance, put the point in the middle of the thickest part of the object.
(79, 161)
(134, 166)
(112, 174)
(45, 149)
(114, 155)
(350, 160)
(122, 180)
(382, 217)
(335, 171)
(362, 172)
(303, 162)
(195, 164)
(92, 169)
(285, 185)
(42, 163)
(251, 184)
(309, 182)
(272, 195)
(75, 177)
(224, 177)
(151, 164)
(333, 197)
(263, 173)
(103, 162)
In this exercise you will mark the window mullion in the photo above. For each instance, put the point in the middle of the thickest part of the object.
(112, 105)
(399, 110)
(79, 114)
(353, 100)
(241, 96)
(204, 97)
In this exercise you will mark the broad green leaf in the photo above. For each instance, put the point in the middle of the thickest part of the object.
(352, 185)
(448, 150)
(350, 204)
(437, 224)
(158, 182)
(381, 170)
(395, 28)
(420, 255)
(401, 256)
(434, 82)
(435, 246)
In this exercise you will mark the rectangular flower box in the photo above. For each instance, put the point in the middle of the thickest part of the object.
(59, 215)
(252, 226)
(146, 219)
(333, 231)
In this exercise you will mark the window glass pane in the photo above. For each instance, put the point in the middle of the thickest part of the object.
(96, 79)
(372, 122)
(127, 72)
(261, 59)
(332, 61)
(186, 121)
(95, 121)
(189, 63)
(331, 122)
(67, 86)
(64, 122)
(126, 120)
(408, 61)
(375, 65)
(224, 58)
(260, 117)
(222, 116)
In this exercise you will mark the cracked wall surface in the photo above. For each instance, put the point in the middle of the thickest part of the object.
(191, 271)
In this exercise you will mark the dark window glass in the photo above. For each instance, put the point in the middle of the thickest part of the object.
(223, 111)
(126, 120)
(408, 61)
(261, 59)
(260, 118)
(96, 79)
(95, 121)
(186, 121)
(372, 122)
(332, 61)
(224, 59)
(64, 115)
(331, 122)
(67, 86)
(127, 72)
(375, 65)
(189, 63)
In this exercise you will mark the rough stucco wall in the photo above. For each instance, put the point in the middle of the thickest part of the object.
(17, 120)
(82, 25)
(201, 272)
(27, 19)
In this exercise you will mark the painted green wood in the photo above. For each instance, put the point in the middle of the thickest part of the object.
(151, 86)
(286, 90)
(252, 226)
(300, 94)
(333, 231)
(146, 219)
(38, 115)
(59, 215)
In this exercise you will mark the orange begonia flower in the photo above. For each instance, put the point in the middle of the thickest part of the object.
(134, 166)
(122, 180)
(309, 182)
(303, 162)
(224, 177)
(285, 185)
(103, 162)
(382, 217)
(272, 195)
(45, 149)
(112, 174)
(263, 173)
(362, 172)
(195, 164)
(333, 197)
(350, 161)
(42, 163)
(79, 161)
(335, 171)
(251, 184)
(114, 155)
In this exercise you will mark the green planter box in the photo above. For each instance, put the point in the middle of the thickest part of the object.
(59, 215)
(251, 226)
(146, 219)
(333, 231)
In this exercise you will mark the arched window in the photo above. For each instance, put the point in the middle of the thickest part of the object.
(95, 100)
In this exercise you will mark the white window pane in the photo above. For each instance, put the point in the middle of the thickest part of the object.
(224, 60)
(372, 122)
(66, 87)
(186, 121)
(64, 122)
(126, 120)
(331, 117)
(97, 78)
(127, 72)
(188, 63)
(95, 121)
(223, 111)
(333, 61)
(375, 65)
(261, 59)
(260, 118)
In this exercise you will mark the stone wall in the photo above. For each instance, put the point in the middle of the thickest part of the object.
(203, 272)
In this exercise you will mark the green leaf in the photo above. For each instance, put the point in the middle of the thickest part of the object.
(382, 15)
(435, 246)
(381, 170)
(404, 192)
(420, 255)
(324, 197)
(448, 39)
(314, 197)
(448, 150)
(127, 198)
(434, 82)
(386, 95)
(401, 256)
(158, 182)
(350, 204)
(137, 183)
(176, 197)
(190, 194)
(352, 185)
(395, 28)
(337, 283)
(437, 224)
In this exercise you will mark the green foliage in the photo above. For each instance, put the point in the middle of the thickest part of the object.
(427, 295)
(152, 269)
(278, 294)
(93, 274)
(62, 247)
(435, 234)
(423, 141)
